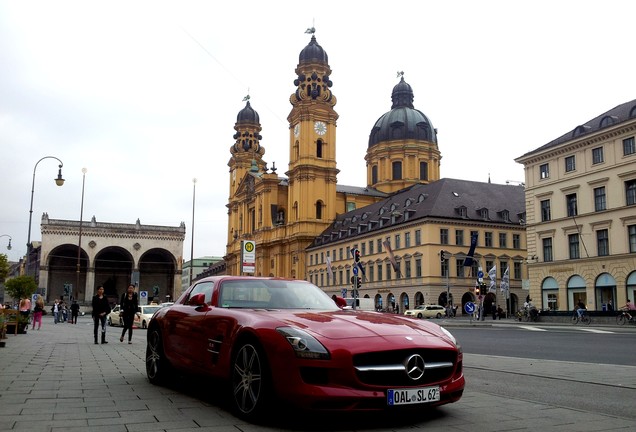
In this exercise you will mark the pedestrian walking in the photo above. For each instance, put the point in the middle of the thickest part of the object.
(101, 308)
(74, 312)
(38, 310)
(128, 306)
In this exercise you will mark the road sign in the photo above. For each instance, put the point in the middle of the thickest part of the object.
(143, 297)
(480, 274)
(355, 270)
(248, 256)
(469, 308)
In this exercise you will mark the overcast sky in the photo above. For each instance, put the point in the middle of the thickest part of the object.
(144, 94)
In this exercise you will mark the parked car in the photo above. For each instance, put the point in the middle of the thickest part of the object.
(426, 311)
(113, 318)
(144, 315)
(283, 343)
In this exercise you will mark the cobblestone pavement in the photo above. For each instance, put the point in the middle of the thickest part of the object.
(56, 379)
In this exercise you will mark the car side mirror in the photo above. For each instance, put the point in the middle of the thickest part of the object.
(197, 300)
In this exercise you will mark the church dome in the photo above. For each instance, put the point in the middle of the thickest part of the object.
(247, 115)
(313, 53)
(403, 121)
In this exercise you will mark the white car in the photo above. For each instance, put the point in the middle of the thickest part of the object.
(113, 318)
(426, 311)
(144, 315)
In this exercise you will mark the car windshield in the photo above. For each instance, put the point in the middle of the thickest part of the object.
(150, 309)
(274, 294)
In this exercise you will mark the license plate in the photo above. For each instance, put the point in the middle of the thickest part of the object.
(412, 396)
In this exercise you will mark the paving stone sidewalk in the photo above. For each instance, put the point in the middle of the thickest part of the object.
(56, 379)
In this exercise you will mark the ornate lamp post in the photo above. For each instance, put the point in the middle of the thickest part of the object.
(9, 245)
(79, 243)
(58, 181)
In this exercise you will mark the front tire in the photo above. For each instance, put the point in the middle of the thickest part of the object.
(438, 316)
(250, 384)
(621, 319)
(157, 366)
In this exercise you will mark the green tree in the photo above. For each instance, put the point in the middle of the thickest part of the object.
(21, 287)
(4, 267)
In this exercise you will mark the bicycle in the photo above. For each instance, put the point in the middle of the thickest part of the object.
(624, 317)
(583, 319)
(528, 314)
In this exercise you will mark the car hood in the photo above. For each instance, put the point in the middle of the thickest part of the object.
(352, 324)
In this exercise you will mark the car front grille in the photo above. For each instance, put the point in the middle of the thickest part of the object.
(390, 368)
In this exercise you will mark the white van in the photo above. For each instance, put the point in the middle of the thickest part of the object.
(366, 304)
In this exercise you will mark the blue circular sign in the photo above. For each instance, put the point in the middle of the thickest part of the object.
(469, 307)
(480, 274)
(355, 270)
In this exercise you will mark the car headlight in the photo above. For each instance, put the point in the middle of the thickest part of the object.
(452, 338)
(304, 344)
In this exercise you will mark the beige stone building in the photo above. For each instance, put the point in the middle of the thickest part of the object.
(412, 227)
(581, 214)
(109, 254)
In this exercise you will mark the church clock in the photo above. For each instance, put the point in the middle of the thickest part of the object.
(320, 128)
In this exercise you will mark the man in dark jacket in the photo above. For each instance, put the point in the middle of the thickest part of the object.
(101, 309)
(75, 307)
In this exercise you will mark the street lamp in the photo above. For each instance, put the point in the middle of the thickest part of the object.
(194, 192)
(79, 243)
(58, 181)
(7, 235)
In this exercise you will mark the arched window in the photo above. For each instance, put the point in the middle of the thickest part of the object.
(295, 210)
(319, 149)
(397, 170)
(374, 174)
(319, 209)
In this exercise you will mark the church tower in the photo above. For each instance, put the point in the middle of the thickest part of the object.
(282, 216)
(312, 158)
(247, 158)
(403, 147)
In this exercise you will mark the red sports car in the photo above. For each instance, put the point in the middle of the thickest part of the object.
(280, 342)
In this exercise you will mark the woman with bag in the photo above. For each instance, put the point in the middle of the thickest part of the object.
(37, 312)
(128, 307)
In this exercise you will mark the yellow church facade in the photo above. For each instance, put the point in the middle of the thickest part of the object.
(305, 224)
(283, 215)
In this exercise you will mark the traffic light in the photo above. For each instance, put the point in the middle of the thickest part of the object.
(477, 289)
(356, 256)
(358, 282)
(353, 280)
(441, 256)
